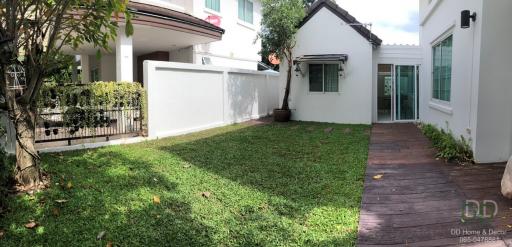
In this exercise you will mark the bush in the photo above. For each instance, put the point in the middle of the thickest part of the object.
(448, 146)
(84, 105)
(105, 94)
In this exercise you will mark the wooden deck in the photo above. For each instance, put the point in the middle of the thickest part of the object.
(419, 201)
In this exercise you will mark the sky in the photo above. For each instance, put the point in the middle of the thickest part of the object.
(394, 21)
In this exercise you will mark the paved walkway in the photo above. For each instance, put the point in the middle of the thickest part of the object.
(419, 200)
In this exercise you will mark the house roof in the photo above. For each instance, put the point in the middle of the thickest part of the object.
(345, 16)
(167, 18)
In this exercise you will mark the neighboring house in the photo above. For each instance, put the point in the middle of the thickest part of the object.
(458, 78)
(468, 73)
(216, 32)
(344, 75)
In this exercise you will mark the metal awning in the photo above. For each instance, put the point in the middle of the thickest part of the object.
(322, 58)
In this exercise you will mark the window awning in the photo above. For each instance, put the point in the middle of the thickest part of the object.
(322, 58)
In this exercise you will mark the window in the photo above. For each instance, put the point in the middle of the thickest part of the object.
(212, 4)
(442, 69)
(245, 8)
(323, 77)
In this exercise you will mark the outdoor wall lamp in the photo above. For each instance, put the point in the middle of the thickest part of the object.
(465, 17)
(341, 70)
(298, 69)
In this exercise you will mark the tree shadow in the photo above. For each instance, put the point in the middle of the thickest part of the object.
(242, 95)
(305, 171)
(102, 192)
(249, 96)
(274, 184)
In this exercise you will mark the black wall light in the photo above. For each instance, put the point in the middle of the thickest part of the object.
(465, 17)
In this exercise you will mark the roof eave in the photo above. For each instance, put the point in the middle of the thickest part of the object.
(168, 14)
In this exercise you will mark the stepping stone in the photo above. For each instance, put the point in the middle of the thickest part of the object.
(328, 130)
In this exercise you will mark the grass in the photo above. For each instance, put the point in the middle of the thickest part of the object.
(270, 185)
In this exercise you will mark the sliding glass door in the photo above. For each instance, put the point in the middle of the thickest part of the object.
(405, 92)
(397, 92)
(385, 93)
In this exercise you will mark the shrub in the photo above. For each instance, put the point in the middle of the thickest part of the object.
(84, 105)
(106, 94)
(449, 147)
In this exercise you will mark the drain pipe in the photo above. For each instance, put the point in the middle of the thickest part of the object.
(469, 130)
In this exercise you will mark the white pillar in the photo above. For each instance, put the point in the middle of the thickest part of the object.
(86, 68)
(74, 76)
(124, 56)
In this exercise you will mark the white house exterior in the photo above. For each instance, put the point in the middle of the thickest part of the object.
(478, 106)
(212, 32)
(458, 78)
(360, 92)
(386, 107)
(346, 95)
(237, 48)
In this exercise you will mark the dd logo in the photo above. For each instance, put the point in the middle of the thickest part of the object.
(473, 209)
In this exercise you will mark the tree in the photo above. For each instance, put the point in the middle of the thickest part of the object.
(280, 23)
(32, 35)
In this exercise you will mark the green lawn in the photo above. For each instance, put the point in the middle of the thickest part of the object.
(288, 184)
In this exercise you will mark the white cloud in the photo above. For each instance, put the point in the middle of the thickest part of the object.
(394, 21)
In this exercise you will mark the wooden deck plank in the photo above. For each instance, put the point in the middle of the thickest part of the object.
(419, 199)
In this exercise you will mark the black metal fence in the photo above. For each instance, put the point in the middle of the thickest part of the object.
(54, 125)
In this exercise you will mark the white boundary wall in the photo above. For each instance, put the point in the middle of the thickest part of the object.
(184, 98)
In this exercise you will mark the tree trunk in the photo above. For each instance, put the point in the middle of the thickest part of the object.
(23, 116)
(285, 105)
(28, 170)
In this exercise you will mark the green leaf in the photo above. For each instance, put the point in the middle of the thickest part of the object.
(129, 28)
(98, 54)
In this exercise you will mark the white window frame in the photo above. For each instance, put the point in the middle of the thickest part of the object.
(212, 11)
(433, 44)
(242, 21)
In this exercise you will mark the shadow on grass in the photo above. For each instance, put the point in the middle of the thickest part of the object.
(297, 161)
(310, 176)
(105, 191)
(276, 184)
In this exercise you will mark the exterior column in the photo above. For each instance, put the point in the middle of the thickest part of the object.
(86, 68)
(74, 68)
(124, 56)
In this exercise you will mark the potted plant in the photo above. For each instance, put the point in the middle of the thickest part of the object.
(279, 25)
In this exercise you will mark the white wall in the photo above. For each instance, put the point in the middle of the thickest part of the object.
(494, 124)
(108, 68)
(397, 55)
(237, 48)
(439, 19)
(325, 33)
(184, 55)
(184, 98)
(178, 5)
